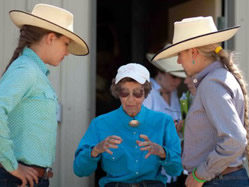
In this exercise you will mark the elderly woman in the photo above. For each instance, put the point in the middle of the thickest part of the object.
(163, 96)
(127, 140)
(215, 128)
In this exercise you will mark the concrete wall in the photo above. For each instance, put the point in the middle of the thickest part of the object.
(242, 37)
(241, 40)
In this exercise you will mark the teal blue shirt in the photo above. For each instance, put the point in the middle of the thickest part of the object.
(27, 113)
(127, 163)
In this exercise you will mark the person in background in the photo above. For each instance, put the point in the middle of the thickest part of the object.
(190, 84)
(27, 99)
(126, 141)
(164, 97)
(216, 126)
(187, 97)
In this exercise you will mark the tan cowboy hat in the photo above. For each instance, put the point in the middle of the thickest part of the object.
(54, 19)
(168, 65)
(195, 32)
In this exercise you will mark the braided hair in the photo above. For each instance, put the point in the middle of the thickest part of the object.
(226, 58)
(28, 36)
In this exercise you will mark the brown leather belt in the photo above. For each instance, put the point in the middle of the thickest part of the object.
(231, 169)
(44, 173)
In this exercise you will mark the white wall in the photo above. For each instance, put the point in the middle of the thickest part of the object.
(242, 37)
(241, 41)
(73, 80)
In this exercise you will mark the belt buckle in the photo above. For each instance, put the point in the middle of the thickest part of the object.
(135, 185)
(46, 176)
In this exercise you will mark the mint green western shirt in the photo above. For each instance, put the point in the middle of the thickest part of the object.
(27, 114)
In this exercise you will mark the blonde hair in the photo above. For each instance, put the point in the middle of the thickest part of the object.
(226, 58)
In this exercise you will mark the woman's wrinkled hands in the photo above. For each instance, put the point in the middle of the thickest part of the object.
(26, 174)
(191, 182)
(151, 147)
(104, 146)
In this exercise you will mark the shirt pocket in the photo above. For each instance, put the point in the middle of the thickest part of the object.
(46, 101)
(44, 95)
(48, 94)
(51, 100)
(115, 164)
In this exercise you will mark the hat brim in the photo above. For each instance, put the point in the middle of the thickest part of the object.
(180, 74)
(198, 41)
(132, 76)
(77, 45)
(161, 65)
(149, 57)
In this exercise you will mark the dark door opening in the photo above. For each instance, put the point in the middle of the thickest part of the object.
(126, 31)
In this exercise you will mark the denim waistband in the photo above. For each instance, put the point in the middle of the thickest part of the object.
(236, 178)
(140, 184)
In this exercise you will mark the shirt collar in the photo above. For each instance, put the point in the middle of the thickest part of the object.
(198, 77)
(126, 118)
(155, 85)
(38, 61)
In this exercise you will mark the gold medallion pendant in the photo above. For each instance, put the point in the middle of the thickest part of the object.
(134, 123)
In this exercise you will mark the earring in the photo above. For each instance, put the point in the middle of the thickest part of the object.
(193, 62)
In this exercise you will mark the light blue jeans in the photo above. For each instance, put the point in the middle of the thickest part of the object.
(233, 179)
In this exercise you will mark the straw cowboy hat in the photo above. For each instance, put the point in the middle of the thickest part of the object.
(54, 19)
(168, 65)
(195, 32)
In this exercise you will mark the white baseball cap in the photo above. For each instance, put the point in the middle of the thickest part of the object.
(134, 71)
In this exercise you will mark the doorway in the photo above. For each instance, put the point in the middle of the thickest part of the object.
(128, 29)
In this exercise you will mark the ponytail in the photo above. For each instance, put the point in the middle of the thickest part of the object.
(28, 36)
(228, 61)
(215, 52)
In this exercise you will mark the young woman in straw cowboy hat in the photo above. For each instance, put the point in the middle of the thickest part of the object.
(27, 99)
(217, 122)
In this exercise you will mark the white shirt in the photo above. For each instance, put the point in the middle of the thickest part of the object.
(156, 102)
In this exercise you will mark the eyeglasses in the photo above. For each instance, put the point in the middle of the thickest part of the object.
(137, 93)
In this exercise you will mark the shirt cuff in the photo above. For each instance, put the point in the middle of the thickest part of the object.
(9, 166)
(89, 151)
(203, 173)
(167, 158)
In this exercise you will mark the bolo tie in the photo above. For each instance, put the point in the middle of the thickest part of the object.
(134, 123)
